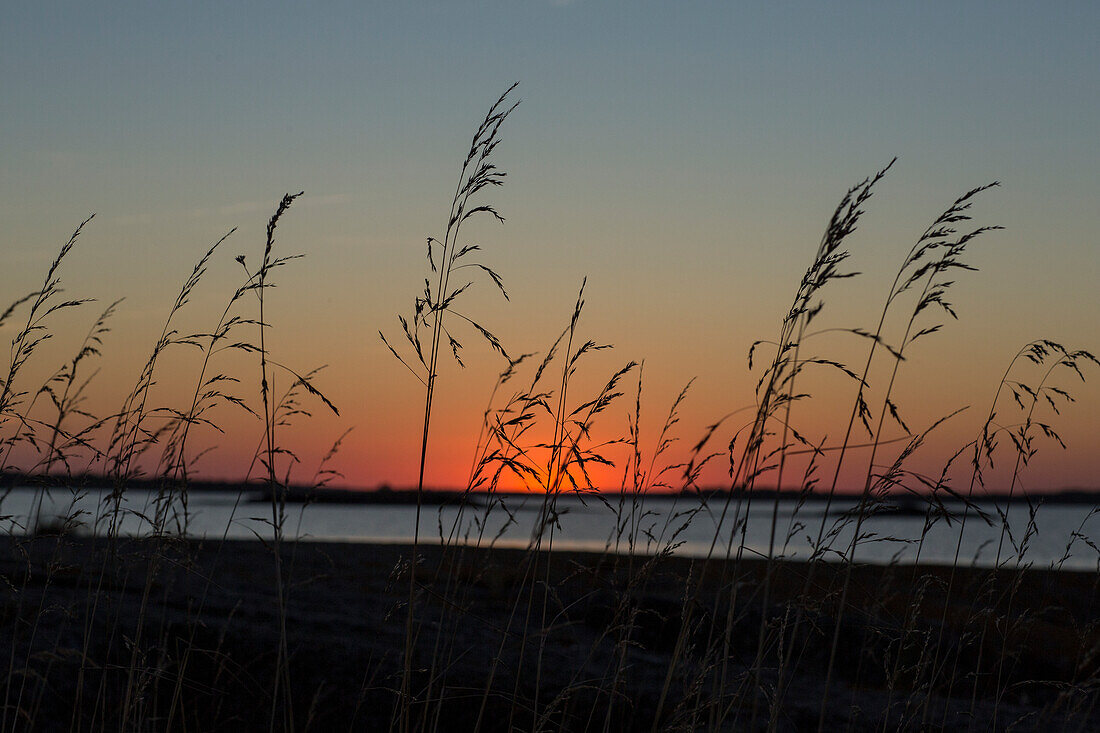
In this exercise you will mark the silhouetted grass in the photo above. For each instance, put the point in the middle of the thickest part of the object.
(162, 631)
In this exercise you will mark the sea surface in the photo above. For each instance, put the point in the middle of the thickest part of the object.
(1055, 535)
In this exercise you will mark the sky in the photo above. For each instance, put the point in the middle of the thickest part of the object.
(681, 157)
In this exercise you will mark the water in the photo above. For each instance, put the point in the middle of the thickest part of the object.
(591, 525)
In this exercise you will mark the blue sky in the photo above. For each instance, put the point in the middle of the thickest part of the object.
(683, 156)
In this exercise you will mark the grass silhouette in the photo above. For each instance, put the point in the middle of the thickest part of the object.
(108, 627)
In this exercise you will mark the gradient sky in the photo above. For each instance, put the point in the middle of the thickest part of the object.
(683, 156)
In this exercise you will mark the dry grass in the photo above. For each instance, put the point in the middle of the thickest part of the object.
(463, 632)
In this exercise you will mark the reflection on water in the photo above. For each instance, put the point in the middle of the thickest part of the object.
(656, 523)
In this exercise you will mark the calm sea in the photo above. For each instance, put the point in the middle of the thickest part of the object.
(1057, 535)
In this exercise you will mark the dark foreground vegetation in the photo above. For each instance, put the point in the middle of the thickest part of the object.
(617, 653)
(110, 632)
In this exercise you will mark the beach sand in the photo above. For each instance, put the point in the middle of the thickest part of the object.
(606, 629)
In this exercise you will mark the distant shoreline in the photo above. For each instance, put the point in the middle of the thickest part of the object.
(441, 496)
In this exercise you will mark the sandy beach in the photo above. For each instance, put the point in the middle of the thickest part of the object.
(606, 629)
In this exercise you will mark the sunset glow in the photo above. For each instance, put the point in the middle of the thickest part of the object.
(683, 165)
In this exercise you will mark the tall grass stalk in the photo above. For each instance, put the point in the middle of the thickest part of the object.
(936, 254)
(278, 507)
(985, 446)
(1023, 442)
(775, 392)
(478, 172)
